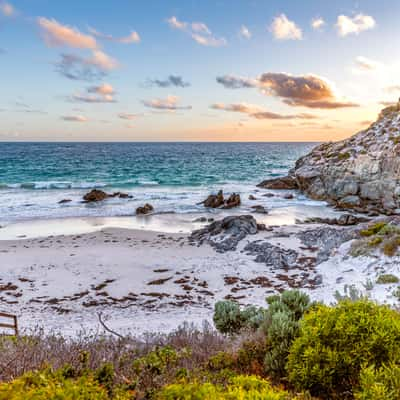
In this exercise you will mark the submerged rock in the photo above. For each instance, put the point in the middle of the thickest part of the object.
(146, 209)
(224, 235)
(362, 172)
(63, 201)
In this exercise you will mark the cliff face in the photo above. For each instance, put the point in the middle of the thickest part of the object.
(362, 172)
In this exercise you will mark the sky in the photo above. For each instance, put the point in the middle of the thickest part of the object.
(195, 70)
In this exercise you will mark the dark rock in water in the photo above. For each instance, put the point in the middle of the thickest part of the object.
(272, 255)
(63, 201)
(288, 196)
(286, 182)
(268, 195)
(260, 209)
(95, 195)
(224, 235)
(121, 195)
(218, 201)
(214, 200)
(98, 195)
(343, 220)
(146, 209)
(233, 201)
(251, 197)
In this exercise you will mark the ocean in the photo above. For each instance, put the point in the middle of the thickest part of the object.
(174, 177)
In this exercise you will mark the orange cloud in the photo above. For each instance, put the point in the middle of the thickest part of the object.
(56, 34)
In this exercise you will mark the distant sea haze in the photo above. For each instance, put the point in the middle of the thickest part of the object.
(35, 176)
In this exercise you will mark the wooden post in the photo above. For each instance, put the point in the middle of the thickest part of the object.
(13, 326)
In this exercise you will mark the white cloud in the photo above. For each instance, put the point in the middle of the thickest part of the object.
(201, 28)
(176, 24)
(74, 118)
(133, 37)
(128, 116)
(359, 23)
(198, 31)
(7, 9)
(284, 29)
(317, 23)
(170, 103)
(103, 60)
(56, 34)
(366, 64)
(97, 94)
(244, 32)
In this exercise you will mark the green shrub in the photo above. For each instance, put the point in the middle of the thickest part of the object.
(240, 387)
(46, 385)
(282, 327)
(336, 342)
(387, 278)
(230, 319)
(373, 229)
(381, 384)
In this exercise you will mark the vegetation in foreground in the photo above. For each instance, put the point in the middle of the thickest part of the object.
(292, 349)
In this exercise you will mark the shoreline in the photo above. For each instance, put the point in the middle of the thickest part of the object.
(158, 222)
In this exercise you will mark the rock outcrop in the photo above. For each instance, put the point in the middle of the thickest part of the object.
(224, 235)
(99, 195)
(218, 201)
(146, 209)
(361, 173)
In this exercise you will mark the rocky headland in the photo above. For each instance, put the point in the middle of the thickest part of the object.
(360, 173)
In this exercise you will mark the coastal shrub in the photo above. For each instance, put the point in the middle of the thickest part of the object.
(156, 368)
(282, 327)
(230, 319)
(45, 385)
(379, 384)
(391, 245)
(373, 229)
(240, 387)
(387, 278)
(350, 293)
(335, 343)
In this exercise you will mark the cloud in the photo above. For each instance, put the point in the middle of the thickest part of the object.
(244, 32)
(74, 118)
(7, 9)
(284, 29)
(171, 80)
(170, 103)
(56, 34)
(317, 23)
(127, 116)
(97, 94)
(307, 90)
(392, 89)
(347, 25)
(174, 23)
(198, 31)
(133, 37)
(85, 68)
(233, 82)
(257, 112)
(366, 64)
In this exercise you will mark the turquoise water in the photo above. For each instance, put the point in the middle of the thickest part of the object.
(174, 176)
